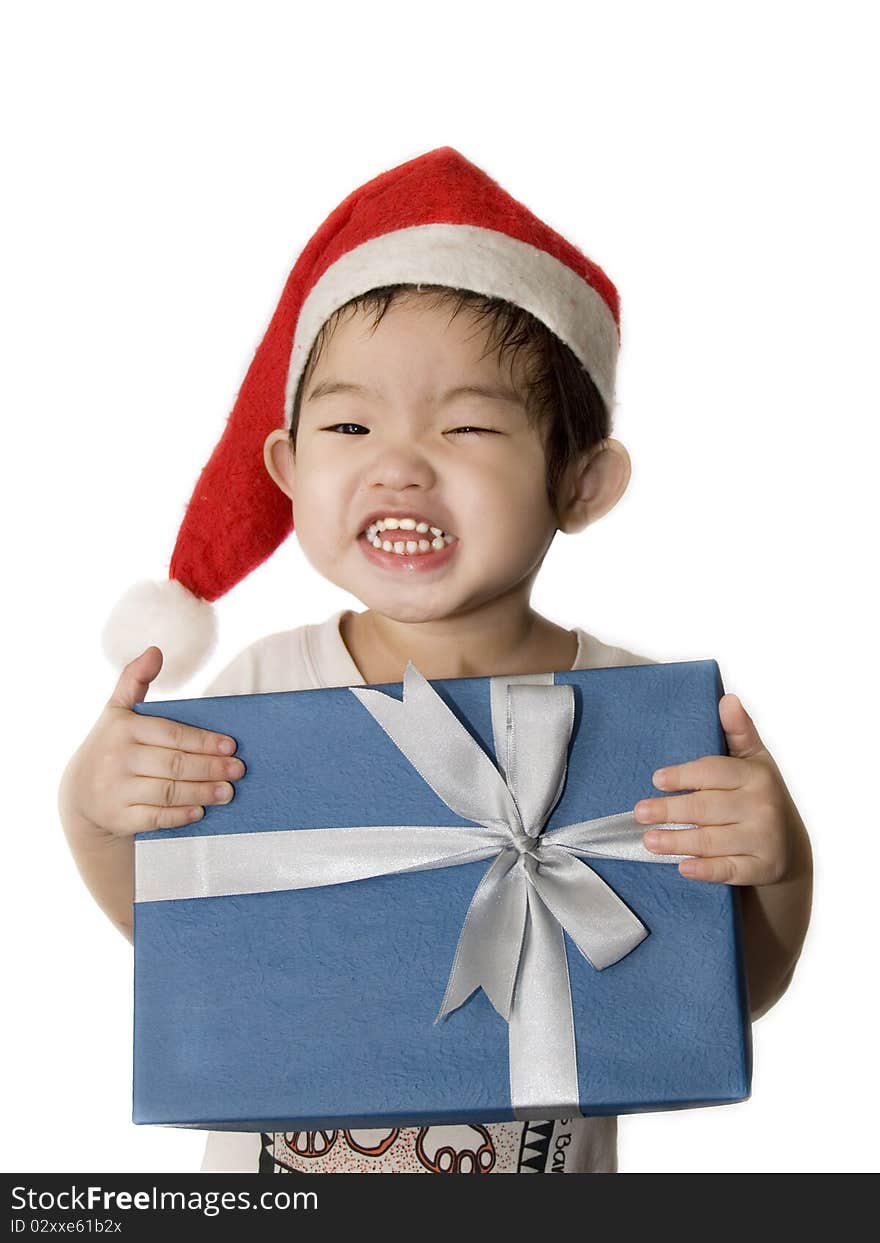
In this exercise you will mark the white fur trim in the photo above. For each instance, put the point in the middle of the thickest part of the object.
(466, 257)
(163, 615)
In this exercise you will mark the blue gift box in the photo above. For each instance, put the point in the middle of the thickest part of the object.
(260, 1006)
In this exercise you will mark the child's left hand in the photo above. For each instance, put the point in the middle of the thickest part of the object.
(747, 825)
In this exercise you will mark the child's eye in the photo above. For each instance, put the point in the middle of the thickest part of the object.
(480, 431)
(357, 425)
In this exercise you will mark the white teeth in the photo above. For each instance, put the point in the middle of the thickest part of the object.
(402, 524)
(374, 532)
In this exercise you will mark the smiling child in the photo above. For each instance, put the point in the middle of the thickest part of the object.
(432, 404)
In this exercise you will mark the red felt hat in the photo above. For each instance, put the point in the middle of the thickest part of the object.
(437, 219)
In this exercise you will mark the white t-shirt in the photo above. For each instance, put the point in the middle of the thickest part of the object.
(316, 656)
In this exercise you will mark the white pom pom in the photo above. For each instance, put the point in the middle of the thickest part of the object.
(163, 615)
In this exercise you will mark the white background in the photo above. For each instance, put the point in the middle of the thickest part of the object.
(164, 166)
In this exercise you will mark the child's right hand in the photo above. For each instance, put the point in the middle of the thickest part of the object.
(134, 773)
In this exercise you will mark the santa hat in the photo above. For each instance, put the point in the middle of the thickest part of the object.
(438, 220)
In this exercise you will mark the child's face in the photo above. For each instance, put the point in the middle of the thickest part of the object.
(401, 450)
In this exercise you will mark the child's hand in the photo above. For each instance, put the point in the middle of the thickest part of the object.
(135, 773)
(748, 826)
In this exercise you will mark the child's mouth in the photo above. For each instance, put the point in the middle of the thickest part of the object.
(411, 547)
(406, 537)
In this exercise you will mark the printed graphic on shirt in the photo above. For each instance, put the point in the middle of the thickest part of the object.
(500, 1148)
(534, 1147)
(568, 1145)
(455, 1149)
(371, 1143)
(410, 1150)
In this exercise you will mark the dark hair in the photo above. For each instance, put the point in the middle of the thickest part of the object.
(560, 397)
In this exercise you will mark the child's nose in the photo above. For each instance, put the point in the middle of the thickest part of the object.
(396, 467)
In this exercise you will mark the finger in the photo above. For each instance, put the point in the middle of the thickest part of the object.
(166, 762)
(156, 792)
(716, 772)
(159, 731)
(143, 818)
(704, 841)
(726, 870)
(742, 737)
(135, 679)
(701, 807)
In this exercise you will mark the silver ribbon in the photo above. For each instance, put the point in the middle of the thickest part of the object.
(538, 884)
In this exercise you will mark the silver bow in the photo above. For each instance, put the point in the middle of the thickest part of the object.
(511, 943)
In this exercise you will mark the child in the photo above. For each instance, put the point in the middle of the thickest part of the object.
(433, 394)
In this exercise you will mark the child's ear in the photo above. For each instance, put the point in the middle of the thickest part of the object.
(279, 460)
(594, 485)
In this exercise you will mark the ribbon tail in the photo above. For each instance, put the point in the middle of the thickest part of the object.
(489, 946)
(543, 1055)
(599, 922)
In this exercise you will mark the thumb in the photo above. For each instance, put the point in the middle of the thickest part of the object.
(135, 678)
(743, 740)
